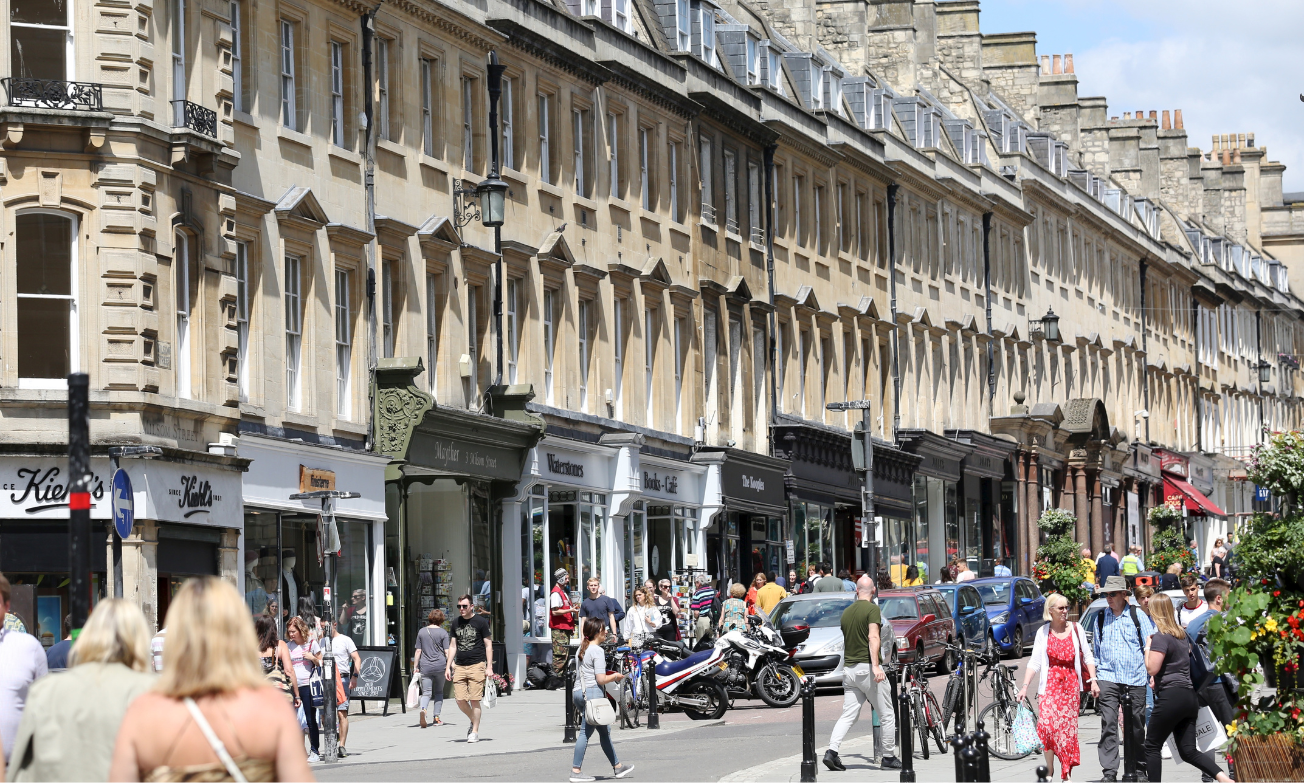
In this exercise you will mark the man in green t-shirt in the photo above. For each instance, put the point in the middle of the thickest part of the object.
(863, 678)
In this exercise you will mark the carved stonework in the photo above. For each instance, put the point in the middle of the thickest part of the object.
(400, 405)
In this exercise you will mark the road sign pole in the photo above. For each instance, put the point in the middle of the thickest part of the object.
(79, 499)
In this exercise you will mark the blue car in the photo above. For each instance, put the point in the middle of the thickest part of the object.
(971, 623)
(1014, 605)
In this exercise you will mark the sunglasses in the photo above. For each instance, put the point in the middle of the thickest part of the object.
(463, 606)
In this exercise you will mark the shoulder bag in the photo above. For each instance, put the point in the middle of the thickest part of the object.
(597, 712)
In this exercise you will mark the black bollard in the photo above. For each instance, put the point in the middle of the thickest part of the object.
(1129, 752)
(957, 742)
(569, 735)
(907, 739)
(1043, 774)
(984, 761)
(653, 719)
(808, 730)
(970, 758)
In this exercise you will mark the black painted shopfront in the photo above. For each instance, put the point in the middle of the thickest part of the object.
(747, 536)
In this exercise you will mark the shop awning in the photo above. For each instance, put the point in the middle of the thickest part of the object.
(1194, 498)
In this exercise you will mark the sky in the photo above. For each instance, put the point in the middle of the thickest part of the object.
(1230, 67)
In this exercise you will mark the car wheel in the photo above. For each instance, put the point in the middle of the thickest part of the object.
(1016, 647)
(946, 664)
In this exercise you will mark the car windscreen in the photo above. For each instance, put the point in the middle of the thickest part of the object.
(899, 608)
(998, 593)
(817, 613)
(950, 598)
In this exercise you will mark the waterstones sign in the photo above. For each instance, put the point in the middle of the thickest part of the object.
(37, 488)
(559, 466)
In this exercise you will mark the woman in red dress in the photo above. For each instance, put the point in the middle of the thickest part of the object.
(1063, 658)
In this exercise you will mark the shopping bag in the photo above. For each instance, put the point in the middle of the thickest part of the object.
(414, 693)
(1025, 731)
(490, 693)
(303, 718)
(1209, 732)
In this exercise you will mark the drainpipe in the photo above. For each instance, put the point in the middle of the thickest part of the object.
(987, 302)
(369, 187)
(1145, 367)
(896, 335)
(770, 149)
(1195, 330)
(1258, 350)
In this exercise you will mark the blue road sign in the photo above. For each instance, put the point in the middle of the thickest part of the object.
(124, 504)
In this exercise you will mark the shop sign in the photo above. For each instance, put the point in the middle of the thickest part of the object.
(453, 456)
(752, 483)
(667, 483)
(1173, 463)
(37, 488)
(169, 492)
(315, 479)
(557, 465)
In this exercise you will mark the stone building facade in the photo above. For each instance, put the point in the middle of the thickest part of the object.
(720, 218)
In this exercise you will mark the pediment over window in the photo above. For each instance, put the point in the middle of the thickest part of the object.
(299, 207)
(655, 274)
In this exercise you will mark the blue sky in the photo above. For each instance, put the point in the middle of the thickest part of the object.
(1231, 67)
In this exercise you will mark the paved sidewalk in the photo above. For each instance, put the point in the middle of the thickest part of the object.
(526, 720)
(857, 756)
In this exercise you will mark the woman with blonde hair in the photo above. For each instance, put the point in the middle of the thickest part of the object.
(643, 617)
(71, 721)
(1061, 655)
(1168, 661)
(211, 715)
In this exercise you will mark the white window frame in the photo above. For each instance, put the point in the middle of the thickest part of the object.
(293, 332)
(613, 154)
(74, 341)
(683, 26)
(237, 62)
(473, 338)
(468, 122)
(798, 183)
(178, 62)
(753, 61)
(582, 332)
(679, 375)
(545, 138)
(432, 327)
(387, 341)
(649, 363)
(773, 69)
(343, 344)
(645, 185)
(675, 214)
(618, 351)
(289, 100)
(337, 92)
(577, 133)
(382, 88)
(707, 23)
(510, 325)
(427, 106)
(181, 279)
(242, 318)
(506, 116)
(731, 191)
(817, 217)
(549, 341)
(705, 165)
(70, 58)
(754, 197)
(620, 12)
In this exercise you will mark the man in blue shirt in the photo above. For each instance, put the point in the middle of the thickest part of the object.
(1106, 566)
(1120, 634)
(1214, 694)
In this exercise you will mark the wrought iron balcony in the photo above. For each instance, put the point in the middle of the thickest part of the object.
(195, 117)
(708, 213)
(758, 236)
(53, 94)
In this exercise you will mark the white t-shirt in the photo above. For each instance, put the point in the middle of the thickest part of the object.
(22, 662)
(1185, 616)
(156, 648)
(964, 576)
(301, 670)
(342, 648)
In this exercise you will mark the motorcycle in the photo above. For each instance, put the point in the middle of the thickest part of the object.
(760, 661)
(692, 683)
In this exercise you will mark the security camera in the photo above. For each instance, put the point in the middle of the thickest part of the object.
(1143, 414)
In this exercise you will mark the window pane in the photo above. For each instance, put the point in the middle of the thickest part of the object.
(44, 254)
(39, 54)
(54, 12)
(43, 326)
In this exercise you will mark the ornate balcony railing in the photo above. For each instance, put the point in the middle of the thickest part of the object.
(195, 117)
(758, 236)
(708, 213)
(53, 94)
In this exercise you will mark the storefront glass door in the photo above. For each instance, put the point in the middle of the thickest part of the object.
(561, 529)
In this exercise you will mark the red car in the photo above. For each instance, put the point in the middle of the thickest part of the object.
(923, 625)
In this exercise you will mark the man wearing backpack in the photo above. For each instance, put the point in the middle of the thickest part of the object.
(1212, 694)
(1119, 641)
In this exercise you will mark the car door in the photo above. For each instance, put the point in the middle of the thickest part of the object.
(940, 626)
(1033, 607)
(975, 631)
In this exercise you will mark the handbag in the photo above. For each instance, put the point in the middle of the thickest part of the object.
(1024, 731)
(414, 692)
(490, 693)
(598, 712)
(316, 692)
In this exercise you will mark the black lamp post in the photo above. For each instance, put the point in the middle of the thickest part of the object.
(493, 192)
(1050, 325)
(1265, 371)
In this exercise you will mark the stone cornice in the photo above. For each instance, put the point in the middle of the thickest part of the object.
(539, 45)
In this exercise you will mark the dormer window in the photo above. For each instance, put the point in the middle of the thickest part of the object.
(590, 7)
(835, 93)
(620, 11)
(683, 26)
(774, 68)
(753, 61)
(879, 113)
(816, 87)
(707, 23)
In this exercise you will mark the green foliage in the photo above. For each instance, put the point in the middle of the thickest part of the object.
(1279, 465)
(1059, 559)
(1270, 545)
(1169, 542)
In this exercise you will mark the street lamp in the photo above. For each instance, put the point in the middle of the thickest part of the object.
(1050, 325)
(493, 194)
(1265, 371)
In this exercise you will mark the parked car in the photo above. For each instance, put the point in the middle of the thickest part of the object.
(966, 609)
(923, 624)
(821, 655)
(1088, 619)
(1014, 607)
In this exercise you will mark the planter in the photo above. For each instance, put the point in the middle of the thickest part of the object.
(1268, 758)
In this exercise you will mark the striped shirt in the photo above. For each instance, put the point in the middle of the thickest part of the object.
(703, 600)
(1120, 656)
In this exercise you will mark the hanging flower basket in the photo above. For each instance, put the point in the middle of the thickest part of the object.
(1268, 758)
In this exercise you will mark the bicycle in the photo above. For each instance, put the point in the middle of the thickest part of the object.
(998, 717)
(924, 711)
(632, 698)
(961, 696)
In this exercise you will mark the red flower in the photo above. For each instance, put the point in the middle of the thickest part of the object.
(1276, 593)
(1265, 581)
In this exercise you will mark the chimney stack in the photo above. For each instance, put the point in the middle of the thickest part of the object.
(1154, 115)
(1168, 122)
(1045, 65)
(1068, 63)
(1058, 66)
(1177, 120)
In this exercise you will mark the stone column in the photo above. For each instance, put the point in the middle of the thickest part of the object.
(1067, 486)
(1034, 508)
(1022, 513)
(229, 559)
(140, 569)
(1081, 504)
(1096, 530)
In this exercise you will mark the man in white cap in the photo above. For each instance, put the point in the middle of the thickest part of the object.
(561, 619)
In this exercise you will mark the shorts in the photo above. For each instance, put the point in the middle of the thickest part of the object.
(468, 682)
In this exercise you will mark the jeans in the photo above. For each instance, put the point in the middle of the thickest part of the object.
(586, 731)
(1111, 696)
(432, 691)
(858, 687)
(1176, 710)
(310, 712)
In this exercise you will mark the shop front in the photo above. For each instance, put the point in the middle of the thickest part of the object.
(987, 490)
(823, 493)
(749, 533)
(894, 527)
(663, 533)
(941, 533)
(187, 523)
(282, 549)
(1205, 521)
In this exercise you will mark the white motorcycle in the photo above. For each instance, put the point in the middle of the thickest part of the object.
(760, 661)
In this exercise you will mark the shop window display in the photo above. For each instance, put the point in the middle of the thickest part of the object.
(812, 534)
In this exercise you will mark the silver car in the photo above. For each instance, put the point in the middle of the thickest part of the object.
(820, 655)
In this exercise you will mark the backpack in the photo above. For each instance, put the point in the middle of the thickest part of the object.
(1100, 627)
(1202, 672)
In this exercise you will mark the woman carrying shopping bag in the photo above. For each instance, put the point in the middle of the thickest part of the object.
(1064, 660)
(591, 674)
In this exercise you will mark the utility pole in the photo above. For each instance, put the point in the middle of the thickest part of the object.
(79, 499)
(862, 460)
(331, 546)
(122, 484)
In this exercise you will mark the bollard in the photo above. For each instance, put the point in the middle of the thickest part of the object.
(970, 757)
(808, 730)
(907, 740)
(1043, 774)
(957, 743)
(569, 735)
(984, 761)
(653, 719)
(1129, 752)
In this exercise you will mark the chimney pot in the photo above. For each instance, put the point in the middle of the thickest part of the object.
(1227, 157)
(1240, 140)
(1127, 115)
(1250, 140)
(1154, 115)
(1236, 155)
(1058, 65)
(1168, 122)
(1177, 120)
(1068, 63)
(1113, 119)
(1045, 64)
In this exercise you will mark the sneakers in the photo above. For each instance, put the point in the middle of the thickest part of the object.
(341, 752)
(579, 778)
(313, 758)
(624, 770)
(473, 737)
(1108, 777)
(890, 762)
(1164, 752)
(833, 762)
(423, 719)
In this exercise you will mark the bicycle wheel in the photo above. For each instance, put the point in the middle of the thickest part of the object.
(998, 722)
(952, 700)
(936, 724)
(921, 722)
(628, 703)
